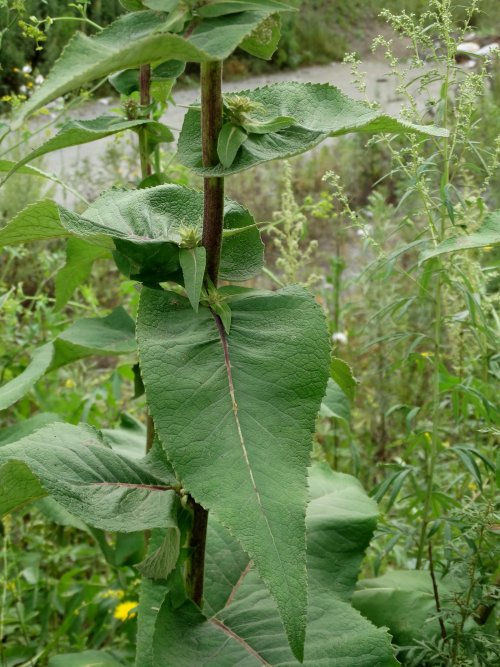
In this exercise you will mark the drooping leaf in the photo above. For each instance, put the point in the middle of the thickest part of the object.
(134, 39)
(15, 389)
(73, 466)
(240, 445)
(193, 262)
(77, 132)
(487, 235)
(113, 334)
(80, 258)
(84, 659)
(243, 624)
(319, 111)
(145, 227)
(230, 139)
(335, 403)
(341, 372)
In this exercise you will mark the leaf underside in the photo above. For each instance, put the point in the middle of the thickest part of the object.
(319, 111)
(73, 466)
(235, 414)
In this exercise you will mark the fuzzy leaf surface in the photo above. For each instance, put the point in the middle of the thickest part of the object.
(73, 466)
(245, 628)
(487, 235)
(319, 111)
(235, 414)
(135, 39)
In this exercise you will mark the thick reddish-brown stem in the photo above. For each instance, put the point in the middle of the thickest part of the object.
(211, 123)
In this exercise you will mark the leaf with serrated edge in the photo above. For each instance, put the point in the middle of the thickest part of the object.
(73, 466)
(135, 39)
(241, 443)
(319, 110)
(487, 235)
(243, 625)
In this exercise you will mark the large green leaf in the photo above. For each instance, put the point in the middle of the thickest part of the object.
(243, 625)
(110, 335)
(146, 227)
(138, 38)
(235, 414)
(403, 601)
(76, 132)
(487, 235)
(73, 466)
(319, 111)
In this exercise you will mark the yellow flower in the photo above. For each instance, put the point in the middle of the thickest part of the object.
(70, 384)
(487, 248)
(427, 354)
(125, 611)
(472, 486)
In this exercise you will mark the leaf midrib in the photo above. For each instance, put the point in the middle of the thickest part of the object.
(227, 364)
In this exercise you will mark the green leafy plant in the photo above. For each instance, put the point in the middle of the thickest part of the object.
(234, 377)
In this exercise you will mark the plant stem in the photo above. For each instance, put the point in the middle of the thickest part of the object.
(211, 123)
(145, 93)
(213, 217)
(438, 314)
(145, 99)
